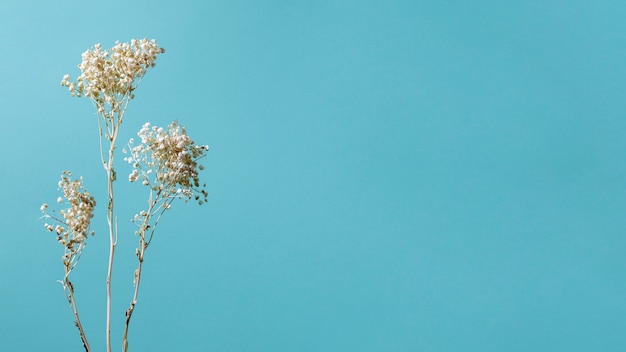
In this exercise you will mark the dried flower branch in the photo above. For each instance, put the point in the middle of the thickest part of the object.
(166, 161)
(72, 231)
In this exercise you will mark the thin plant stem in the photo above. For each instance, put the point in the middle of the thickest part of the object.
(70, 261)
(111, 130)
(112, 237)
(143, 245)
(69, 293)
(131, 308)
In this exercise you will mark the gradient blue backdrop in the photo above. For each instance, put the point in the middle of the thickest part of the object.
(383, 175)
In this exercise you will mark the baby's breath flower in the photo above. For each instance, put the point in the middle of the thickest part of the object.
(108, 77)
(172, 156)
(73, 228)
(133, 176)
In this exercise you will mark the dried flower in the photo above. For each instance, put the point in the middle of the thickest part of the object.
(73, 228)
(108, 77)
(166, 160)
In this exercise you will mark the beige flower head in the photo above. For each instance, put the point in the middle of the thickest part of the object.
(166, 160)
(108, 77)
(73, 228)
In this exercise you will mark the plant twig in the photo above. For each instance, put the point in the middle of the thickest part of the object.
(131, 308)
(69, 294)
(143, 245)
(111, 177)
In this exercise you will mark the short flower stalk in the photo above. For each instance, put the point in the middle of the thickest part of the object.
(166, 162)
(72, 230)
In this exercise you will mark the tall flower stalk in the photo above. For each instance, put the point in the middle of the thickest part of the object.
(166, 162)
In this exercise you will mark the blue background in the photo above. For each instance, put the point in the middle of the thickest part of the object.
(383, 176)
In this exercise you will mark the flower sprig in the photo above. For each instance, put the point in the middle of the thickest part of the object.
(73, 228)
(108, 77)
(72, 231)
(167, 162)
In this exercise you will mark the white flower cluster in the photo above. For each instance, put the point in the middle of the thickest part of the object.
(73, 229)
(166, 160)
(110, 76)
